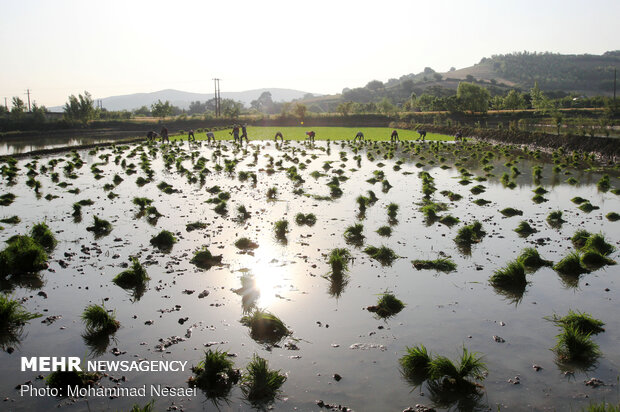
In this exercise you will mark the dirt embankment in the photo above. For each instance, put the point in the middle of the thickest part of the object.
(606, 147)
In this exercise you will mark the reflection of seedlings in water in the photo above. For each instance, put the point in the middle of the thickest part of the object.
(13, 317)
(383, 254)
(97, 341)
(441, 264)
(362, 203)
(265, 327)
(100, 227)
(215, 375)
(583, 322)
(530, 258)
(537, 173)
(245, 244)
(195, 226)
(205, 260)
(307, 219)
(98, 319)
(164, 240)
(353, 234)
(510, 212)
(280, 229)
(524, 229)
(42, 234)
(259, 384)
(612, 216)
(385, 231)
(387, 306)
(134, 279)
(249, 292)
(22, 255)
(554, 219)
(244, 214)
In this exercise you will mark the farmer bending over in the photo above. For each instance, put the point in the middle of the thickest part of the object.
(278, 134)
(164, 135)
(360, 136)
(190, 135)
(458, 136)
(210, 136)
(310, 135)
(150, 136)
(394, 136)
(422, 135)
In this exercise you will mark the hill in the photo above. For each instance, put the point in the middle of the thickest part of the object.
(182, 99)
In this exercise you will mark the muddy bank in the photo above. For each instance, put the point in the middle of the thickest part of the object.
(606, 147)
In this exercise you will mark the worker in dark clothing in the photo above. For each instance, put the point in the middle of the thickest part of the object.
(244, 133)
(190, 135)
(422, 134)
(394, 136)
(235, 133)
(164, 135)
(278, 134)
(310, 135)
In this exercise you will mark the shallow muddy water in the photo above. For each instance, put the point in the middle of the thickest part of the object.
(332, 329)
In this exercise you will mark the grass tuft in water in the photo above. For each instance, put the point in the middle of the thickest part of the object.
(524, 229)
(280, 228)
(190, 227)
(259, 384)
(204, 259)
(574, 346)
(22, 255)
(142, 202)
(387, 306)
(385, 231)
(215, 374)
(132, 278)
(13, 315)
(13, 220)
(579, 238)
(339, 260)
(441, 264)
(414, 364)
(470, 367)
(470, 234)
(570, 265)
(100, 226)
(99, 320)
(164, 240)
(245, 244)
(583, 322)
(305, 219)
(392, 210)
(510, 211)
(383, 254)
(512, 276)
(612, 216)
(598, 243)
(265, 327)
(353, 234)
(530, 258)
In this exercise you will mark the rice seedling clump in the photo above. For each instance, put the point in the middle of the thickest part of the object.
(22, 255)
(133, 277)
(164, 240)
(259, 384)
(442, 264)
(204, 259)
(99, 320)
(383, 254)
(388, 305)
(265, 327)
(215, 374)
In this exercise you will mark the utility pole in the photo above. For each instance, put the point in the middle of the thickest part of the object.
(615, 85)
(28, 93)
(6, 106)
(218, 99)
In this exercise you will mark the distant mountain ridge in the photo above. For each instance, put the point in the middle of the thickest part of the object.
(182, 99)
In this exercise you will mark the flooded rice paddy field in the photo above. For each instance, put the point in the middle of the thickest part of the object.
(332, 330)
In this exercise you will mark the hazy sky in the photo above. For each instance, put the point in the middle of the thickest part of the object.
(62, 47)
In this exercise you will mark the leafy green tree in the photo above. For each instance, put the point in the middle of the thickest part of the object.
(345, 108)
(385, 106)
(231, 108)
(514, 101)
(540, 102)
(18, 109)
(196, 107)
(38, 113)
(472, 97)
(558, 118)
(80, 109)
(374, 85)
(3, 110)
(300, 110)
(161, 109)
(142, 111)
(264, 103)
